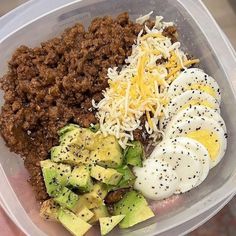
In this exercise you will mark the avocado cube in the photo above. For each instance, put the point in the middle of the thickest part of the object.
(70, 154)
(70, 137)
(55, 176)
(67, 199)
(73, 223)
(49, 210)
(99, 212)
(83, 138)
(109, 223)
(80, 179)
(108, 153)
(106, 175)
(127, 179)
(134, 154)
(135, 208)
(88, 139)
(90, 200)
(100, 189)
(68, 128)
(85, 214)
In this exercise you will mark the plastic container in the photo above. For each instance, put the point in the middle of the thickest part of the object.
(199, 35)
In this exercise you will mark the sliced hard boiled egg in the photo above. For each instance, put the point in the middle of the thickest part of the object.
(194, 79)
(200, 151)
(185, 100)
(156, 179)
(199, 111)
(205, 130)
(186, 164)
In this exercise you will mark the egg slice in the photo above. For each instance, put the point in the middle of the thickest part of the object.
(200, 151)
(193, 146)
(199, 111)
(194, 79)
(205, 130)
(186, 164)
(156, 179)
(185, 100)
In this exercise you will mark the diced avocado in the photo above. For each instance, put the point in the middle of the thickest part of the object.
(73, 223)
(55, 176)
(135, 208)
(80, 179)
(108, 223)
(49, 210)
(85, 214)
(134, 154)
(108, 153)
(98, 213)
(68, 128)
(100, 189)
(67, 199)
(81, 137)
(106, 175)
(70, 155)
(70, 137)
(88, 139)
(90, 200)
(127, 179)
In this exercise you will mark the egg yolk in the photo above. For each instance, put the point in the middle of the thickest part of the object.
(204, 88)
(208, 139)
(198, 102)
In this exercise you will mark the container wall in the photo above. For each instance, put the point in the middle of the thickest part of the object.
(193, 42)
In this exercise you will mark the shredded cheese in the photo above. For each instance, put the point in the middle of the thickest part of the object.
(140, 88)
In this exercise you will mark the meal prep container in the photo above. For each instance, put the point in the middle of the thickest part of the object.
(38, 21)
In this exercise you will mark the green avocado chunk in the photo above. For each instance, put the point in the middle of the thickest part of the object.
(81, 137)
(127, 179)
(106, 175)
(75, 225)
(70, 155)
(68, 128)
(134, 154)
(80, 179)
(108, 223)
(100, 189)
(99, 212)
(135, 208)
(55, 176)
(67, 199)
(85, 214)
(90, 200)
(108, 152)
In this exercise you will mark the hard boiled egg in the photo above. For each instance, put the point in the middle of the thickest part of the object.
(156, 179)
(185, 162)
(199, 111)
(185, 100)
(194, 79)
(205, 130)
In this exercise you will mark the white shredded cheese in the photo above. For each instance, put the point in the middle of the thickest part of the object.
(144, 18)
(140, 88)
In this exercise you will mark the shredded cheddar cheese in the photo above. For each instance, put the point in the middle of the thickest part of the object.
(140, 88)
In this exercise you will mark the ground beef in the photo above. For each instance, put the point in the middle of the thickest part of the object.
(171, 32)
(53, 84)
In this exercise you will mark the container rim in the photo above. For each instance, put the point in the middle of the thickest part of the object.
(228, 62)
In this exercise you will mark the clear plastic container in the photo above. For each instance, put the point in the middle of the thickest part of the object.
(199, 35)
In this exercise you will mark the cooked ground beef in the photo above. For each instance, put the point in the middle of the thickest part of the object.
(53, 84)
(48, 86)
